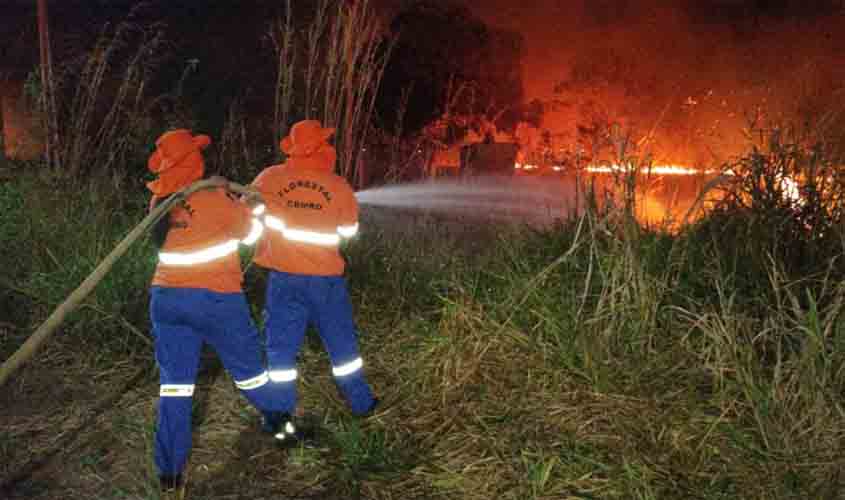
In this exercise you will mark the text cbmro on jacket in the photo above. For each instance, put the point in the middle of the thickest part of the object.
(309, 209)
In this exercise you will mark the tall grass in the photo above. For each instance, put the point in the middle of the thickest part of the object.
(65, 235)
(238, 153)
(336, 66)
(282, 36)
(596, 359)
(590, 360)
(106, 121)
(604, 360)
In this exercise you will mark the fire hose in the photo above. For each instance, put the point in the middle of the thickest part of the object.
(34, 342)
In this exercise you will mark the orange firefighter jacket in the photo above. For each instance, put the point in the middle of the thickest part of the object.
(309, 210)
(201, 249)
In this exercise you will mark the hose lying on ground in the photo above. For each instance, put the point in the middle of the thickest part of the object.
(30, 347)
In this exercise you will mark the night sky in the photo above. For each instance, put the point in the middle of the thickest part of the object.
(694, 70)
(690, 30)
(554, 30)
(722, 53)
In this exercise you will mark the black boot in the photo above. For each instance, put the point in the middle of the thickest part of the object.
(271, 421)
(170, 483)
(290, 435)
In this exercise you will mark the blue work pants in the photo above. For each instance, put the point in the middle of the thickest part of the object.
(183, 319)
(293, 302)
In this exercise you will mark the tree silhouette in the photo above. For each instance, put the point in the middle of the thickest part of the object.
(441, 47)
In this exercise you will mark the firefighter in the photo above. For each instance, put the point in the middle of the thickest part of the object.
(196, 297)
(309, 212)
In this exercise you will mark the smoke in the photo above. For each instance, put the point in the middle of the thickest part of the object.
(688, 75)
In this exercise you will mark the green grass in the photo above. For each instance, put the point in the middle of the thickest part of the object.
(586, 361)
(64, 235)
(593, 360)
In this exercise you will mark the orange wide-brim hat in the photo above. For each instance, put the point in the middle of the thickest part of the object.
(177, 161)
(306, 138)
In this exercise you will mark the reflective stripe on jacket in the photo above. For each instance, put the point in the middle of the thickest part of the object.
(201, 249)
(309, 211)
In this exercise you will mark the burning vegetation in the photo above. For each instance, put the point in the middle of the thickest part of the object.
(680, 334)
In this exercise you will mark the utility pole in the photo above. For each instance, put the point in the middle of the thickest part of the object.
(48, 98)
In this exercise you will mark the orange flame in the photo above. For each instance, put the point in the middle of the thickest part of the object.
(652, 169)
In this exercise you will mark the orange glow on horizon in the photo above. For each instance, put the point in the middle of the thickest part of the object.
(653, 169)
(669, 169)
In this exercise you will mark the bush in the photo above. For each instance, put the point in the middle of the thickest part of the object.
(782, 209)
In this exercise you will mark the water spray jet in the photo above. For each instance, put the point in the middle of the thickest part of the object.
(514, 199)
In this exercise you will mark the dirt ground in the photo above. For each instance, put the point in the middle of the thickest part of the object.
(68, 434)
(76, 424)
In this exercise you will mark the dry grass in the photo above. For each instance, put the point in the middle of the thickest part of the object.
(535, 365)
(331, 71)
(105, 124)
(593, 360)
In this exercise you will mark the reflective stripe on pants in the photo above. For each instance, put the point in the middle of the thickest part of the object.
(183, 319)
(294, 301)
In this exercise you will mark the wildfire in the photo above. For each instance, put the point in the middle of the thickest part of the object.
(606, 169)
(789, 187)
(791, 191)
(652, 169)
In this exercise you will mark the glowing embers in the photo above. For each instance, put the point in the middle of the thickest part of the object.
(649, 169)
(616, 168)
(200, 257)
(791, 191)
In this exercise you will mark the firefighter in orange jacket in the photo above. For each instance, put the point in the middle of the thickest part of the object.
(196, 297)
(309, 211)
